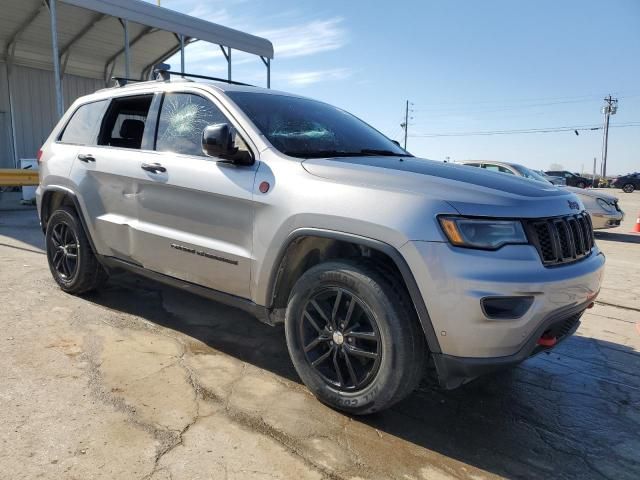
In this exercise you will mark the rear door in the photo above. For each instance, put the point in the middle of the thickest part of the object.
(80, 131)
(109, 176)
(195, 214)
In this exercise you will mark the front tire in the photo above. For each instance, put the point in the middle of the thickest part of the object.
(353, 337)
(72, 263)
(628, 188)
(581, 185)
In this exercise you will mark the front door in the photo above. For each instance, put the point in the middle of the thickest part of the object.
(195, 214)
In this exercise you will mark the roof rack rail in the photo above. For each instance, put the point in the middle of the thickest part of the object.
(161, 72)
(122, 81)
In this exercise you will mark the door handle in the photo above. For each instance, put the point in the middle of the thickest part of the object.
(153, 167)
(86, 157)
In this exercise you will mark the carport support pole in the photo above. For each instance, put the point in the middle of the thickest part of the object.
(268, 73)
(127, 57)
(229, 65)
(267, 63)
(56, 57)
(181, 53)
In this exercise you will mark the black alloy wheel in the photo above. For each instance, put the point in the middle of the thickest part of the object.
(65, 247)
(340, 338)
(74, 266)
(353, 335)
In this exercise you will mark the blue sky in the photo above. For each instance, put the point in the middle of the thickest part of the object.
(466, 66)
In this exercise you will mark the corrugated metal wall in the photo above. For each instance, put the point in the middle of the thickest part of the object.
(34, 105)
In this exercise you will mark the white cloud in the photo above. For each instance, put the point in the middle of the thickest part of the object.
(302, 79)
(292, 35)
(307, 38)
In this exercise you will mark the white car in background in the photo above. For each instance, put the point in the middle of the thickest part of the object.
(603, 207)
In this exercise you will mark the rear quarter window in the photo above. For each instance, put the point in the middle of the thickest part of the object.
(83, 126)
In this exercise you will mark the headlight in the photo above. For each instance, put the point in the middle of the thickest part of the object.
(482, 233)
(605, 205)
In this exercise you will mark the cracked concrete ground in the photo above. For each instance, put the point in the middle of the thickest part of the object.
(143, 381)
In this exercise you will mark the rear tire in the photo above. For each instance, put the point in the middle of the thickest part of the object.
(628, 188)
(73, 264)
(353, 337)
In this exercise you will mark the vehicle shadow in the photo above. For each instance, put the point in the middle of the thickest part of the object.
(21, 224)
(618, 237)
(572, 413)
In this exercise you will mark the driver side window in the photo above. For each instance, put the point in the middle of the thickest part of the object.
(183, 117)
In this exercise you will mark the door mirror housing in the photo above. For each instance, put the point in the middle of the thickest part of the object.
(219, 141)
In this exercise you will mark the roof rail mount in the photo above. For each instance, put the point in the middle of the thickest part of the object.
(122, 81)
(162, 73)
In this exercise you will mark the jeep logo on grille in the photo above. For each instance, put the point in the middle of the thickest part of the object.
(574, 205)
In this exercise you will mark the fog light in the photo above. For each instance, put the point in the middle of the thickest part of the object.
(505, 307)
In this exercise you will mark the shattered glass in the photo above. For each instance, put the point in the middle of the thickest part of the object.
(182, 119)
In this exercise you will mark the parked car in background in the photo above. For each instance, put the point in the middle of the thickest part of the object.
(628, 183)
(379, 264)
(603, 207)
(552, 179)
(572, 179)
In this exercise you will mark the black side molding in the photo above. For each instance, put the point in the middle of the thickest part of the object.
(258, 311)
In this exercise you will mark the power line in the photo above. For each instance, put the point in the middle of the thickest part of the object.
(575, 128)
(559, 99)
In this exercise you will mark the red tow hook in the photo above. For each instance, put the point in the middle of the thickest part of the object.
(547, 340)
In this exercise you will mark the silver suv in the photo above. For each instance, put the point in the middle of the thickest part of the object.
(378, 263)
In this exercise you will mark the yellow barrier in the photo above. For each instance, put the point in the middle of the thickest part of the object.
(15, 177)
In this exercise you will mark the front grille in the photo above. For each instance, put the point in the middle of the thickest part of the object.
(561, 240)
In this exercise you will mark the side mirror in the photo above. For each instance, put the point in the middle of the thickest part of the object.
(217, 141)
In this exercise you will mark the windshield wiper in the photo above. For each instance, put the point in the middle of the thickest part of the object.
(344, 153)
(322, 153)
(383, 153)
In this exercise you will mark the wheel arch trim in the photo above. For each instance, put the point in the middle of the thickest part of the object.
(44, 209)
(391, 251)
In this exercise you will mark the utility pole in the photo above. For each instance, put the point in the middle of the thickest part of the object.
(610, 108)
(405, 124)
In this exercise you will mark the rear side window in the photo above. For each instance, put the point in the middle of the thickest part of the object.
(83, 126)
(125, 121)
(183, 117)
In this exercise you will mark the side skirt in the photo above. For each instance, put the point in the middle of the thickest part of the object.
(258, 311)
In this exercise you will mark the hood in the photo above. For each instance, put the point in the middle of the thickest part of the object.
(592, 193)
(470, 190)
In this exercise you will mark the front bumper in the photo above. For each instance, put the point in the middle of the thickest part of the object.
(455, 371)
(453, 281)
(602, 220)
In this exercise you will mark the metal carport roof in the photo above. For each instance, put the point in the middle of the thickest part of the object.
(91, 36)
